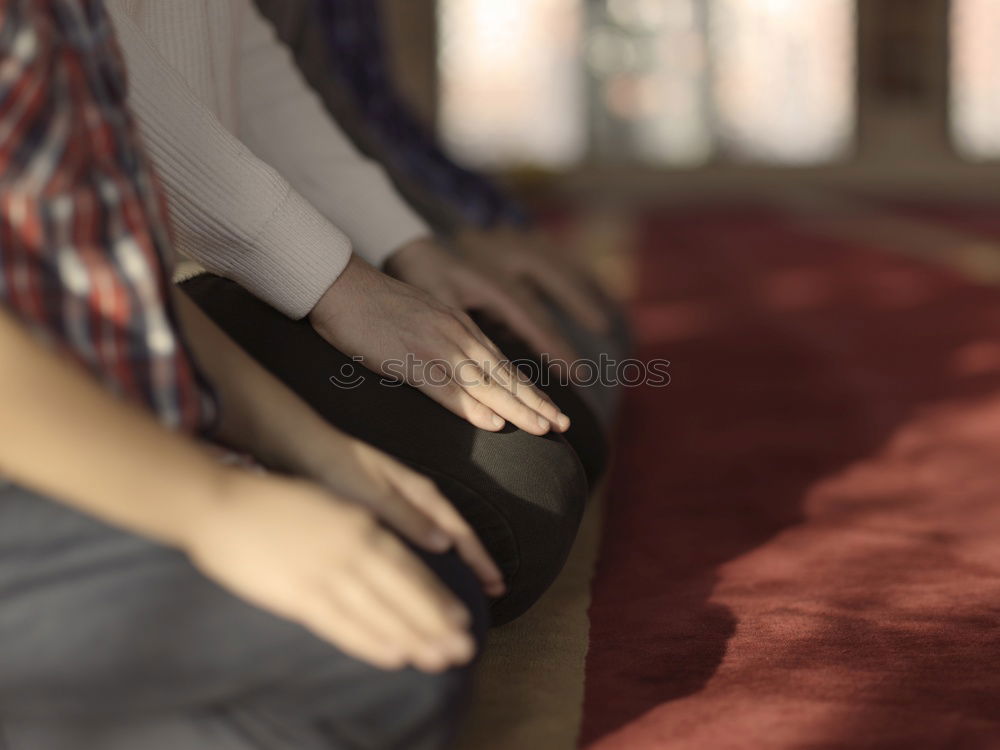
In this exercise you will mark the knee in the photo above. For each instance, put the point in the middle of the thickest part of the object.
(361, 706)
(537, 496)
(364, 707)
(422, 711)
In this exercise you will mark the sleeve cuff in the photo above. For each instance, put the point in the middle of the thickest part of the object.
(300, 255)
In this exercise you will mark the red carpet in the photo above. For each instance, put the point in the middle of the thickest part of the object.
(802, 547)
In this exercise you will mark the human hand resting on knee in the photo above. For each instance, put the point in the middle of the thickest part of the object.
(459, 284)
(524, 260)
(290, 546)
(295, 550)
(404, 500)
(390, 324)
(264, 418)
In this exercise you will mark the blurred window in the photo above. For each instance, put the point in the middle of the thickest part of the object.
(783, 78)
(975, 84)
(648, 73)
(672, 82)
(512, 88)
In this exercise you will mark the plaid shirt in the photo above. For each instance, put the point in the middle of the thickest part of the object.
(83, 238)
(358, 50)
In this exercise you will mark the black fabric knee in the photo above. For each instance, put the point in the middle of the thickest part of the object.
(523, 494)
(585, 434)
(526, 506)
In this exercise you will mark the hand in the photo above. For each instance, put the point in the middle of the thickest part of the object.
(457, 283)
(305, 555)
(273, 424)
(388, 323)
(524, 260)
(406, 501)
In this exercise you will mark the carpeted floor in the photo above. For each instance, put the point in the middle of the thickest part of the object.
(802, 543)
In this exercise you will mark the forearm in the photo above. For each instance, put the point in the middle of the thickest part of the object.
(66, 437)
(232, 212)
(283, 121)
(260, 415)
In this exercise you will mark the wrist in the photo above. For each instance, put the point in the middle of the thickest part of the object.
(196, 503)
(317, 449)
(340, 293)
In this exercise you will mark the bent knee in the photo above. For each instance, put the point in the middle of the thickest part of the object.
(357, 705)
(527, 510)
(537, 477)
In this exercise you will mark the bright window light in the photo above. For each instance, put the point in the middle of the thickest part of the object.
(975, 84)
(783, 78)
(512, 88)
(667, 82)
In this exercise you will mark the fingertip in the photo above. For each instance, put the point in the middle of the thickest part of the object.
(495, 588)
(432, 661)
(564, 422)
(497, 422)
(550, 411)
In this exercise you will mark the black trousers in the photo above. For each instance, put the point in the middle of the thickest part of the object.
(523, 494)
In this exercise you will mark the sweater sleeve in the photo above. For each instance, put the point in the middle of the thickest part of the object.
(231, 212)
(286, 125)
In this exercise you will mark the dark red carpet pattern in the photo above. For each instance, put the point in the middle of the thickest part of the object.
(802, 547)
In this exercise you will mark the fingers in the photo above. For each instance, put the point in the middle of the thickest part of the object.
(530, 320)
(539, 401)
(479, 384)
(389, 610)
(428, 651)
(515, 391)
(413, 589)
(456, 400)
(419, 512)
(511, 377)
(424, 495)
(470, 377)
(336, 624)
(474, 554)
(366, 616)
(508, 372)
(488, 403)
(411, 521)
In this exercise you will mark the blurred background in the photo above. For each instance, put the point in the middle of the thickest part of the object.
(642, 98)
(798, 201)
